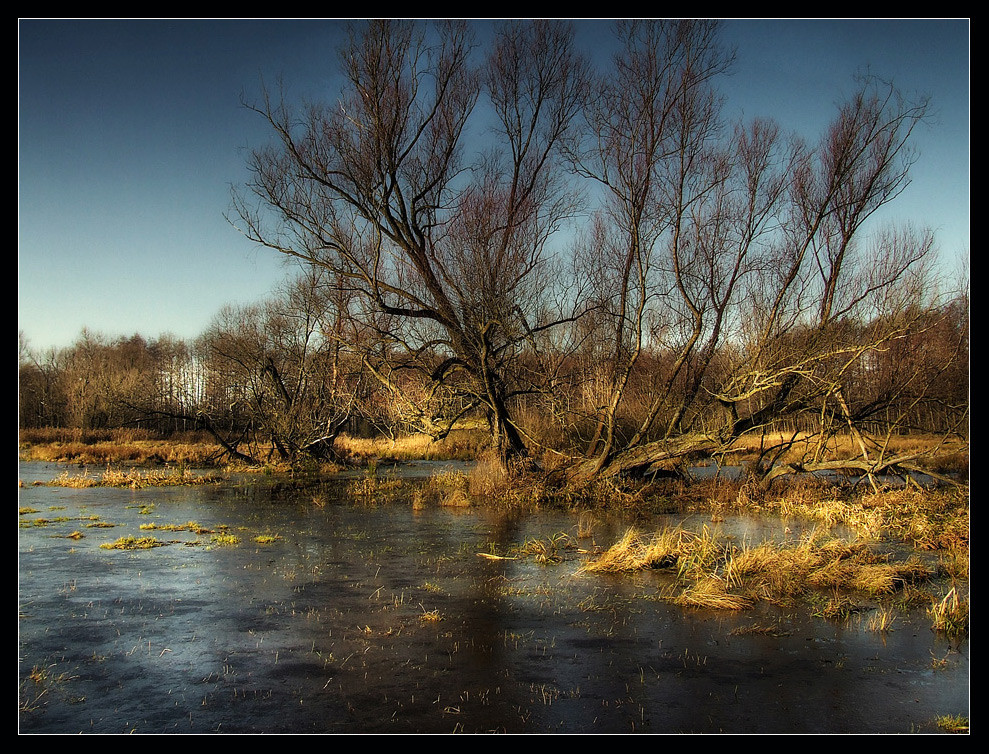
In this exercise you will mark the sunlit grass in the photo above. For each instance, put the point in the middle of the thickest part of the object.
(430, 616)
(132, 543)
(882, 619)
(460, 444)
(192, 526)
(950, 614)
(952, 723)
(548, 550)
(934, 452)
(711, 592)
(103, 447)
(712, 571)
(133, 478)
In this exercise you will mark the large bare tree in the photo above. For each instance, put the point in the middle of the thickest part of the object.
(444, 250)
(735, 257)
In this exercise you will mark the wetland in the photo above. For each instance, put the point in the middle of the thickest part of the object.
(275, 608)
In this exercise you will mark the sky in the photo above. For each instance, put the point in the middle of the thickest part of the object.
(132, 133)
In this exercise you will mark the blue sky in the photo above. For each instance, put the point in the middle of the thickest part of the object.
(131, 134)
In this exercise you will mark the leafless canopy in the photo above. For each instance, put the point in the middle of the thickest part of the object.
(727, 278)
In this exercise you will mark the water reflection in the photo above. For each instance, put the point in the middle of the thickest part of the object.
(381, 618)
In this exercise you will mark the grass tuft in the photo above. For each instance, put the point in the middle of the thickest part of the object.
(132, 543)
(950, 614)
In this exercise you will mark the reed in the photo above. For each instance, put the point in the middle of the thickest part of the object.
(881, 621)
(950, 614)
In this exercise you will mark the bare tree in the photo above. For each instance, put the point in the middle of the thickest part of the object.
(661, 243)
(740, 263)
(443, 256)
(278, 376)
(833, 296)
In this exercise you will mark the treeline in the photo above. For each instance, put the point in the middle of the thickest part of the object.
(595, 264)
(272, 378)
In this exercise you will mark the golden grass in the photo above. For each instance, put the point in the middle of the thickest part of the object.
(952, 723)
(881, 621)
(430, 616)
(102, 447)
(635, 552)
(488, 477)
(950, 614)
(373, 488)
(938, 455)
(712, 571)
(549, 550)
(927, 519)
(460, 444)
(132, 543)
(711, 592)
(192, 526)
(133, 478)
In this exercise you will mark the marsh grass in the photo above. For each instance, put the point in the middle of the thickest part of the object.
(934, 453)
(192, 526)
(225, 539)
(133, 543)
(41, 683)
(132, 478)
(713, 571)
(102, 447)
(430, 616)
(952, 723)
(931, 520)
(950, 614)
(549, 550)
(450, 489)
(882, 619)
(373, 487)
(711, 592)
(461, 444)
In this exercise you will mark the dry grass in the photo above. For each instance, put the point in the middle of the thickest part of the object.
(192, 526)
(549, 550)
(711, 592)
(952, 723)
(636, 552)
(133, 478)
(488, 477)
(927, 519)
(430, 616)
(950, 614)
(133, 543)
(881, 621)
(937, 455)
(460, 444)
(712, 571)
(102, 447)
(375, 487)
